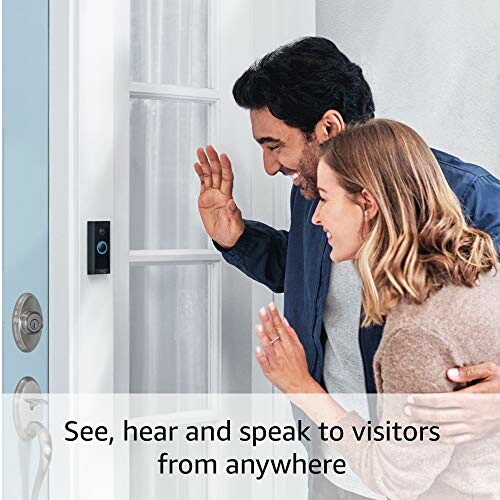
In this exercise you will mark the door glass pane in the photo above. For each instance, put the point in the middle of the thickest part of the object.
(164, 188)
(169, 328)
(169, 42)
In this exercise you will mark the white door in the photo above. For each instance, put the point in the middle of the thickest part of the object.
(144, 85)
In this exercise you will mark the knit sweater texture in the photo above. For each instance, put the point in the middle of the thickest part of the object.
(455, 326)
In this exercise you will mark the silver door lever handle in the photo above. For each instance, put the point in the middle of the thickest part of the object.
(45, 442)
(28, 417)
(35, 401)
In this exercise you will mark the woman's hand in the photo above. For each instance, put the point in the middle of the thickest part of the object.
(284, 363)
(283, 359)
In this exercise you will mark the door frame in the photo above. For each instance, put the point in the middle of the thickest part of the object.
(85, 121)
(86, 118)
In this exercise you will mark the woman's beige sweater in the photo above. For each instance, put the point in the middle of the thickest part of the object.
(456, 326)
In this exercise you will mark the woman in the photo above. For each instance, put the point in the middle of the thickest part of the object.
(386, 205)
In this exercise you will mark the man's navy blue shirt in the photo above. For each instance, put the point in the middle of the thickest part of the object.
(297, 262)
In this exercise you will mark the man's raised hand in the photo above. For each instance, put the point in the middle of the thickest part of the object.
(220, 215)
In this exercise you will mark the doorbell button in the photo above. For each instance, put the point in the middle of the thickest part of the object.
(102, 247)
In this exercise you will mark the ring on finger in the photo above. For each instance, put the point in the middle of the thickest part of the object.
(275, 339)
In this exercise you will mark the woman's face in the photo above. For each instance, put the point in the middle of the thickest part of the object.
(341, 218)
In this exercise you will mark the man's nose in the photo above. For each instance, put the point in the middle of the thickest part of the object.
(271, 163)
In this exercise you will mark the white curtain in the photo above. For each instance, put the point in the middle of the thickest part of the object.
(164, 189)
(169, 329)
(169, 42)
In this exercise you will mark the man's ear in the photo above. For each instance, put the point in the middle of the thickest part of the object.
(330, 125)
(368, 204)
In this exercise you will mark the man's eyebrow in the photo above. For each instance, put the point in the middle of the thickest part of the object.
(264, 140)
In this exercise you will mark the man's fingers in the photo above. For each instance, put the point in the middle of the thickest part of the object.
(215, 166)
(472, 372)
(449, 415)
(205, 167)
(199, 171)
(481, 388)
(227, 175)
(461, 438)
(449, 430)
(443, 400)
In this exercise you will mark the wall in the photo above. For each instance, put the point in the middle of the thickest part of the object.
(433, 65)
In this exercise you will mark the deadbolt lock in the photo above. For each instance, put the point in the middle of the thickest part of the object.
(27, 322)
(31, 322)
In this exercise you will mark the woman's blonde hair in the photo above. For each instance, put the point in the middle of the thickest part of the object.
(419, 241)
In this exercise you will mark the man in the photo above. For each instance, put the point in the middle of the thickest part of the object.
(298, 96)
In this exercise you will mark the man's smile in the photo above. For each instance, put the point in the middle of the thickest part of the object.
(294, 175)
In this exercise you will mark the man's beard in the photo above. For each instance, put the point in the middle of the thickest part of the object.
(308, 168)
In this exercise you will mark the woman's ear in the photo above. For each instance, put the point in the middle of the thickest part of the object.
(369, 205)
(329, 126)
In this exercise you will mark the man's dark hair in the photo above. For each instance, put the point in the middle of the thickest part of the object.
(300, 81)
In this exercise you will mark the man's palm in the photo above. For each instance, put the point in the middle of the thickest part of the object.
(220, 216)
(212, 205)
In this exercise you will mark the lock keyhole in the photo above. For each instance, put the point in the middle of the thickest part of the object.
(31, 322)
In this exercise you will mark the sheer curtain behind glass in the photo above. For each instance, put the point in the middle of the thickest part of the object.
(164, 135)
(169, 303)
(169, 42)
(169, 325)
